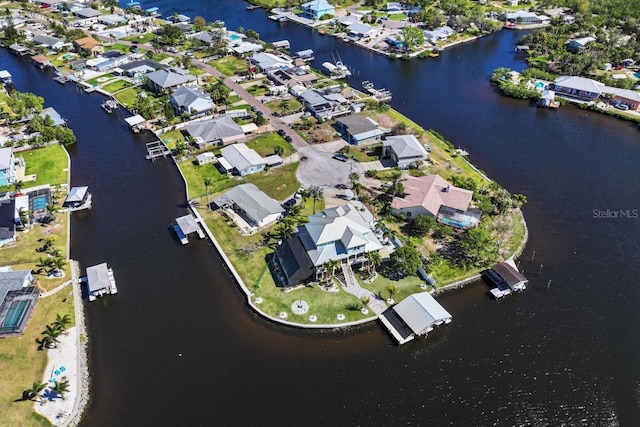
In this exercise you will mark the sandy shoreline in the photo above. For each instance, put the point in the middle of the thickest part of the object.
(68, 361)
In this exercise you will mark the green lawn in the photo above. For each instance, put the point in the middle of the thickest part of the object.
(265, 144)
(22, 364)
(257, 90)
(195, 175)
(276, 106)
(116, 86)
(100, 79)
(172, 137)
(49, 163)
(159, 57)
(366, 153)
(278, 183)
(232, 99)
(127, 97)
(195, 71)
(143, 39)
(407, 286)
(117, 46)
(230, 65)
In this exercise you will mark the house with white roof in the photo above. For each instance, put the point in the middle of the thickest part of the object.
(218, 131)
(191, 100)
(579, 88)
(524, 17)
(242, 160)
(268, 62)
(342, 233)
(50, 42)
(255, 207)
(404, 150)
(358, 30)
(578, 45)
(8, 166)
(433, 196)
(630, 98)
(316, 9)
(439, 34)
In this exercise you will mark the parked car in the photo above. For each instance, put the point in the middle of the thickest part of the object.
(133, 49)
(172, 49)
(281, 132)
(623, 107)
(287, 138)
(341, 157)
(427, 148)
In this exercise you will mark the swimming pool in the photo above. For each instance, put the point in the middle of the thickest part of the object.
(233, 37)
(636, 74)
(539, 85)
(40, 202)
(67, 56)
(14, 314)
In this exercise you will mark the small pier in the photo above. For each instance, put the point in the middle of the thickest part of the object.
(157, 149)
(252, 7)
(78, 199)
(110, 105)
(5, 77)
(61, 78)
(505, 279)
(187, 225)
(379, 95)
(100, 281)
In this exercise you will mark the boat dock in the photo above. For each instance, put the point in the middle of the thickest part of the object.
(157, 149)
(136, 123)
(505, 279)
(100, 281)
(78, 199)
(186, 225)
(110, 105)
(380, 95)
(61, 78)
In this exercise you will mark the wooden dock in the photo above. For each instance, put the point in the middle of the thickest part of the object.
(157, 149)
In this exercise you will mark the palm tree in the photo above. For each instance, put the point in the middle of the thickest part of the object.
(58, 264)
(52, 210)
(354, 178)
(43, 263)
(285, 105)
(207, 182)
(365, 300)
(374, 259)
(316, 193)
(17, 186)
(295, 210)
(47, 243)
(51, 334)
(392, 290)
(24, 215)
(54, 253)
(36, 388)
(331, 266)
(284, 230)
(60, 388)
(62, 322)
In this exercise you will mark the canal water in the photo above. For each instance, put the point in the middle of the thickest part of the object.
(178, 345)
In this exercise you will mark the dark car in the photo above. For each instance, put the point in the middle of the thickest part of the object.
(341, 157)
(281, 132)
(287, 138)
(133, 49)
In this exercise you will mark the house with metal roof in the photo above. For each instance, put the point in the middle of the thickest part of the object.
(191, 101)
(218, 131)
(630, 98)
(111, 19)
(316, 9)
(578, 45)
(357, 129)
(359, 30)
(439, 34)
(100, 281)
(17, 299)
(416, 315)
(50, 42)
(242, 160)
(141, 67)
(54, 116)
(87, 13)
(267, 62)
(342, 233)
(166, 79)
(404, 150)
(433, 196)
(579, 88)
(255, 207)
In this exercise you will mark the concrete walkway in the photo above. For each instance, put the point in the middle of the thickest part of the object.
(352, 287)
(56, 289)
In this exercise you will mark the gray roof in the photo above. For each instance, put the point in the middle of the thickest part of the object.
(267, 61)
(6, 157)
(144, 62)
(421, 311)
(253, 202)
(11, 281)
(214, 129)
(331, 233)
(47, 40)
(170, 78)
(186, 97)
(87, 12)
(188, 224)
(98, 277)
(241, 157)
(313, 97)
(203, 36)
(359, 28)
(55, 116)
(405, 146)
(76, 194)
(356, 124)
(579, 83)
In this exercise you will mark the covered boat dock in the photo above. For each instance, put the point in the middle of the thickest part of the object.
(188, 225)
(78, 199)
(100, 281)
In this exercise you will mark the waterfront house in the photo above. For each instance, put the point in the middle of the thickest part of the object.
(630, 98)
(18, 296)
(203, 36)
(55, 117)
(578, 45)
(522, 17)
(242, 160)
(87, 13)
(8, 166)
(8, 224)
(180, 18)
(316, 9)
(205, 158)
(324, 104)
(438, 34)
(88, 44)
(416, 315)
(359, 30)
(357, 129)
(255, 207)
(433, 196)
(579, 88)
(141, 67)
(167, 79)
(404, 150)
(342, 233)
(100, 281)
(50, 42)
(55, 5)
(218, 131)
(240, 47)
(111, 20)
(191, 101)
(268, 62)
(294, 76)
